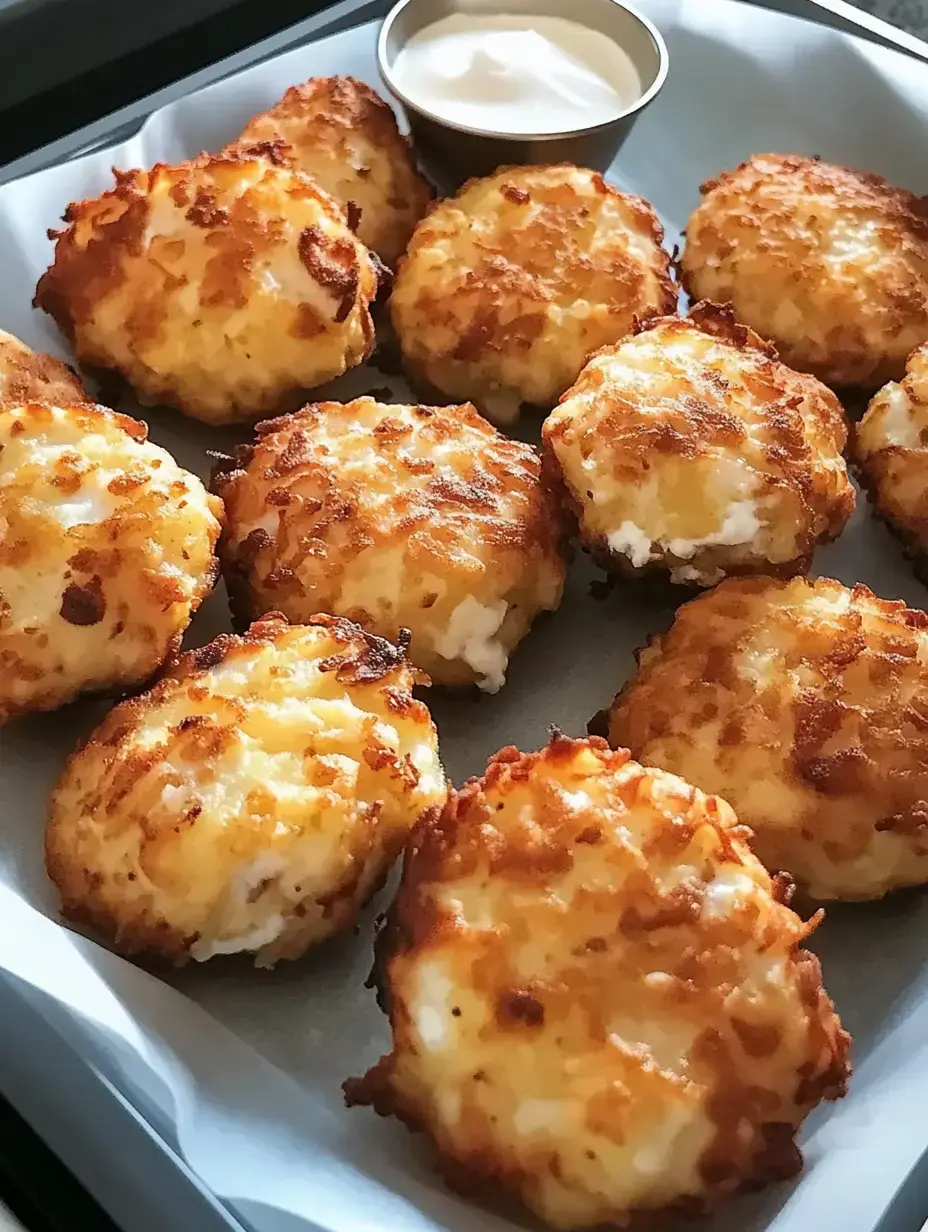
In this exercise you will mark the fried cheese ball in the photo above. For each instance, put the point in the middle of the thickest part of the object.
(507, 287)
(891, 451)
(106, 551)
(342, 134)
(598, 997)
(803, 704)
(224, 287)
(401, 518)
(31, 376)
(688, 446)
(829, 263)
(252, 801)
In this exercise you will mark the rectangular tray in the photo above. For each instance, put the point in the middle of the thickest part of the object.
(886, 1186)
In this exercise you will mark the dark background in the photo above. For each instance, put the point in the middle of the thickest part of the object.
(37, 1189)
(65, 63)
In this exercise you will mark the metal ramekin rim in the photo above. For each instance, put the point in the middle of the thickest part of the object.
(638, 106)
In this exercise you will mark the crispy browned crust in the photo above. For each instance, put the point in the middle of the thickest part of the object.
(787, 423)
(877, 477)
(764, 238)
(518, 244)
(754, 1113)
(341, 133)
(134, 596)
(362, 659)
(895, 477)
(451, 497)
(121, 296)
(720, 321)
(825, 755)
(100, 797)
(32, 376)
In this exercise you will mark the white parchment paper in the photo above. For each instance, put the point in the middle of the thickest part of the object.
(246, 1066)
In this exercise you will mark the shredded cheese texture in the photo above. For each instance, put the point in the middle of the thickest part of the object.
(253, 801)
(829, 263)
(599, 1000)
(689, 447)
(413, 518)
(106, 551)
(507, 287)
(800, 703)
(224, 287)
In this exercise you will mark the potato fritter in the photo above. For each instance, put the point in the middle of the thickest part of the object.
(829, 263)
(252, 801)
(224, 287)
(891, 451)
(598, 998)
(31, 376)
(401, 518)
(690, 447)
(803, 704)
(342, 134)
(507, 287)
(106, 551)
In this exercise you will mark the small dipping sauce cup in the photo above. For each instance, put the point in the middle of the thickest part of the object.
(451, 152)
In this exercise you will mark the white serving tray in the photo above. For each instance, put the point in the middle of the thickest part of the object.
(243, 1072)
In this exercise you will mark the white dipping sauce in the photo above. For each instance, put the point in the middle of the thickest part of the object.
(517, 74)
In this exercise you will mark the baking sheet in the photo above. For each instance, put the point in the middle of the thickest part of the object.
(246, 1066)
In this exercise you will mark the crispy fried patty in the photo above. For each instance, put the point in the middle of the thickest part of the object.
(803, 704)
(508, 286)
(688, 447)
(341, 133)
(599, 1003)
(413, 518)
(225, 286)
(106, 551)
(829, 263)
(252, 801)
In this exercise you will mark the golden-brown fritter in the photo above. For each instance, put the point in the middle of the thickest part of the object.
(829, 263)
(803, 703)
(224, 286)
(507, 287)
(342, 134)
(599, 999)
(891, 451)
(688, 446)
(106, 551)
(252, 801)
(411, 518)
(31, 376)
